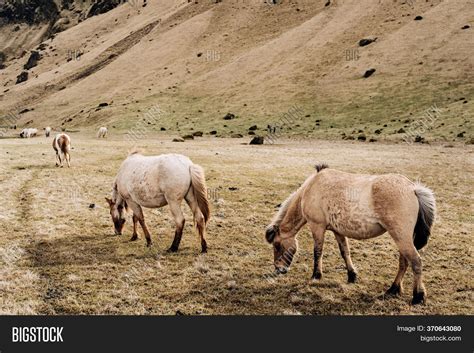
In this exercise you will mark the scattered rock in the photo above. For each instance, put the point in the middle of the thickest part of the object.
(92, 205)
(199, 55)
(229, 116)
(253, 128)
(197, 133)
(32, 60)
(470, 141)
(366, 41)
(418, 18)
(401, 131)
(233, 188)
(188, 137)
(213, 132)
(231, 285)
(257, 140)
(465, 27)
(461, 134)
(162, 129)
(251, 132)
(22, 77)
(373, 140)
(369, 73)
(378, 131)
(236, 136)
(178, 139)
(361, 137)
(419, 139)
(101, 105)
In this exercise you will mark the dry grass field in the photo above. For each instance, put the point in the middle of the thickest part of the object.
(59, 256)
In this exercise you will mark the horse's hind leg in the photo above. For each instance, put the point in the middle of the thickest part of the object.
(198, 219)
(179, 221)
(58, 159)
(396, 287)
(68, 159)
(318, 236)
(346, 255)
(404, 242)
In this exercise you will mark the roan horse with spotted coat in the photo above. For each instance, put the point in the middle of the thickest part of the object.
(156, 181)
(359, 207)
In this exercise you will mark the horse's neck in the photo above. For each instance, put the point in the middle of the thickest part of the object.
(293, 219)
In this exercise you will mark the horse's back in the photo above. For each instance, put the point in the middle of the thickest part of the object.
(147, 179)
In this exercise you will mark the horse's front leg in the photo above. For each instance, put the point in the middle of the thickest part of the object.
(138, 215)
(135, 234)
(346, 255)
(318, 236)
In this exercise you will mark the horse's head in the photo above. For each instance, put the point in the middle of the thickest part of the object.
(118, 217)
(284, 248)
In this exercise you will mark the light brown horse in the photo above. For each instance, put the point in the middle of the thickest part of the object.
(360, 207)
(156, 181)
(62, 145)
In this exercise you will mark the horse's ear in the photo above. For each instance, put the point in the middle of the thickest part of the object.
(109, 201)
(271, 233)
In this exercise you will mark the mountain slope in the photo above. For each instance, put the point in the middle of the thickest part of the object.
(200, 60)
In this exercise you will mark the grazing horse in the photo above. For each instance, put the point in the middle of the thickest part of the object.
(360, 207)
(47, 131)
(102, 132)
(156, 181)
(28, 132)
(62, 145)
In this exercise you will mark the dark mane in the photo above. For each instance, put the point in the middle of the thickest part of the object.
(321, 166)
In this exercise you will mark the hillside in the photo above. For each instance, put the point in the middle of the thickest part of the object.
(200, 60)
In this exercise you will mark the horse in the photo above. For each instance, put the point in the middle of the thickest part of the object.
(28, 133)
(102, 132)
(62, 145)
(47, 131)
(361, 207)
(156, 181)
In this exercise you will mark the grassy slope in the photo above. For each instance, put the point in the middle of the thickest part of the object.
(269, 58)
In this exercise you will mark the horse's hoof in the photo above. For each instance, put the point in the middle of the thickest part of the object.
(134, 237)
(394, 290)
(418, 298)
(173, 249)
(204, 251)
(351, 277)
(317, 276)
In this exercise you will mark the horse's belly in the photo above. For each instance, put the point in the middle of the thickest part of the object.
(360, 230)
(150, 202)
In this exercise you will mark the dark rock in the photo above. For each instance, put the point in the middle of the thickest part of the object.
(401, 131)
(233, 188)
(418, 18)
(361, 137)
(465, 27)
(373, 140)
(378, 131)
(236, 136)
(22, 77)
(198, 133)
(213, 132)
(369, 73)
(229, 116)
(188, 137)
(253, 128)
(366, 41)
(92, 205)
(257, 140)
(419, 139)
(251, 132)
(162, 129)
(103, 105)
(178, 139)
(199, 55)
(461, 134)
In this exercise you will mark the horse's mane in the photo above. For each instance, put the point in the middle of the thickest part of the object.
(294, 197)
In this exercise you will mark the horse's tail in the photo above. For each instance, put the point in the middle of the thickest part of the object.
(198, 183)
(426, 215)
